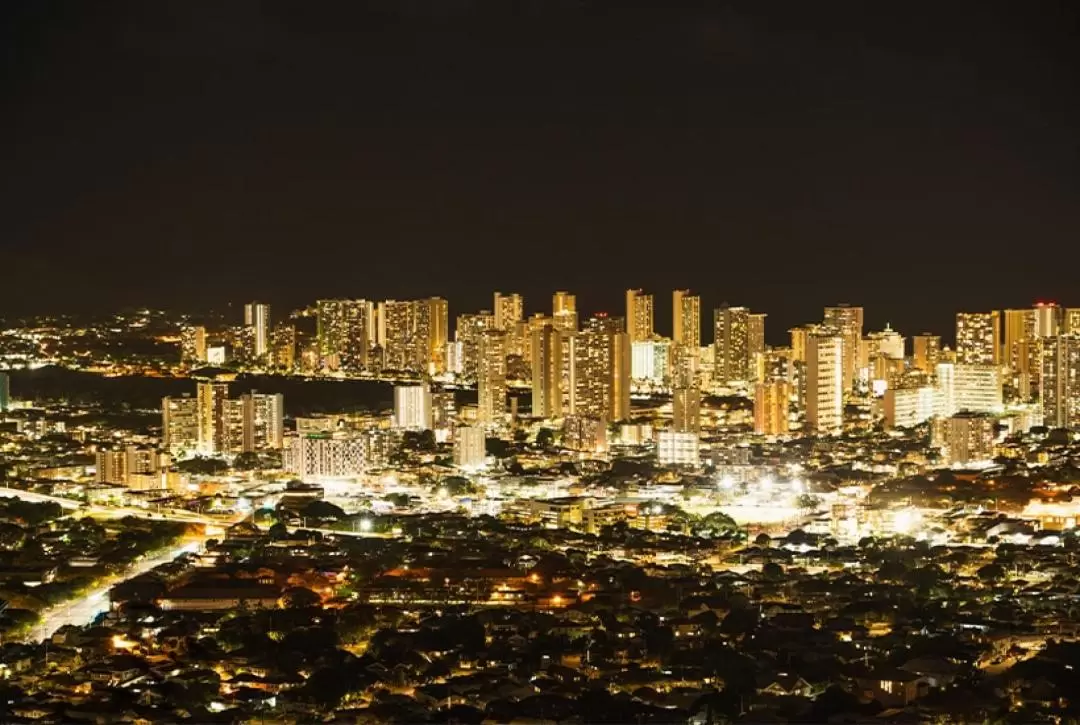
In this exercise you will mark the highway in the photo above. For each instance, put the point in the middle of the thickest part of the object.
(83, 610)
(116, 512)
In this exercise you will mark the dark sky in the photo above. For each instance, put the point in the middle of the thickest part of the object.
(913, 157)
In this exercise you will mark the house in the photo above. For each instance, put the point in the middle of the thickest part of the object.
(890, 687)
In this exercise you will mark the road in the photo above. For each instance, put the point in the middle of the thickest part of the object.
(179, 515)
(85, 609)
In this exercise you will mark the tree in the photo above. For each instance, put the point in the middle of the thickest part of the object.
(300, 598)
(202, 466)
(991, 573)
(545, 438)
(807, 502)
(246, 461)
(323, 510)
(762, 540)
(772, 571)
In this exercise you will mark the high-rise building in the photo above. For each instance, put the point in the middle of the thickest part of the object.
(799, 336)
(467, 333)
(413, 335)
(927, 352)
(412, 407)
(509, 310)
(734, 358)
(639, 315)
(1021, 351)
(847, 322)
(564, 311)
(676, 448)
(491, 378)
(686, 318)
(283, 347)
(180, 424)
(824, 383)
(193, 345)
(5, 392)
(650, 361)
(1049, 319)
(214, 416)
(343, 333)
(1072, 320)
(342, 454)
(469, 447)
(120, 466)
(771, 402)
(906, 407)
(547, 372)
(1060, 388)
(257, 319)
(755, 339)
(686, 409)
(601, 370)
(971, 388)
(967, 438)
(978, 338)
(264, 421)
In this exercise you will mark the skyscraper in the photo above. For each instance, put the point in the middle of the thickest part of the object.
(927, 352)
(412, 407)
(978, 338)
(732, 343)
(847, 321)
(686, 409)
(509, 310)
(755, 340)
(601, 370)
(1060, 390)
(639, 315)
(1021, 350)
(686, 318)
(564, 311)
(491, 378)
(264, 416)
(547, 372)
(5, 392)
(343, 333)
(283, 347)
(193, 345)
(824, 383)
(257, 317)
(214, 416)
(180, 424)
(467, 332)
(771, 400)
(413, 335)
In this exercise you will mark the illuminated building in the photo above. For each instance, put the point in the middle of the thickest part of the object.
(601, 370)
(927, 352)
(413, 335)
(1021, 351)
(650, 360)
(906, 407)
(193, 345)
(264, 421)
(344, 333)
(824, 383)
(639, 315)
(283, 347)
(5, 392)
(509, 310)
(547, 372)
(315, 456)
(491, 378)
(978, 338)
(257, 319)
(799, 336)
(847, 322)
(122, 465)
(966, 438)
(1060, 386)
(180, 424)
(972, 388)
(686, 318)
(677, 448)
(771, 403)
(470, 447)
(888, 342)
(467, 334)
(1049, 319)
(731, 327)
(755, 341)
(686, 410)
(775, 363)
(412, 407)
(509, 314)
(564, 311)
(214, 416)
(584, 433)
(1072, 319)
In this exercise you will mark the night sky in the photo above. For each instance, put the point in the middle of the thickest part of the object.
(916, 158)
